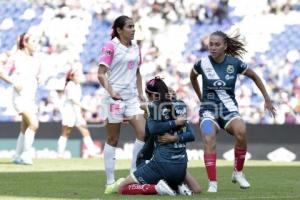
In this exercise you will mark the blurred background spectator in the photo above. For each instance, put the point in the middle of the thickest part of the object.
(172, 34)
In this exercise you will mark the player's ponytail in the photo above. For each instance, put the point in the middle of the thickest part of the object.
(235, 47)
(118, 23)
(159, 89)
(69, 76)
(21, 41)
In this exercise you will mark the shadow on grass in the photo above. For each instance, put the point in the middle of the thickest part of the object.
(266, 182)
(6, 163)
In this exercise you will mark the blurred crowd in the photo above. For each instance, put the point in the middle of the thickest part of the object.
(163, 28)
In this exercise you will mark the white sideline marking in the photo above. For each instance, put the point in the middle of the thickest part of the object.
(270, 197)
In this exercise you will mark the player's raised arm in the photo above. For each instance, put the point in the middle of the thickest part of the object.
(257, 80)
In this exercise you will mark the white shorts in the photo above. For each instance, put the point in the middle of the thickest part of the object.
(22, 104)
(72, 117)
(118, 110)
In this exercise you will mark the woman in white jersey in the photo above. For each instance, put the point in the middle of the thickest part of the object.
(120, 60)
(72, 116)
(23, 75)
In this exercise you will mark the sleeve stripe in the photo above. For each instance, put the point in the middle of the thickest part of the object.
(104, 64)
(243, 72)
(194, 70)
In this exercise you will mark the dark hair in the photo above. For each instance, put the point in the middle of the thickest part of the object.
(234, 46)
(163, 106)
(118, 23)
(21, 41)
(158, 87)
(69, 76)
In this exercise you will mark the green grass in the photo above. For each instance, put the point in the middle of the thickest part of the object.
(85, 179)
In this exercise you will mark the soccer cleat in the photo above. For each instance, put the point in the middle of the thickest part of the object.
(110, 189)
(212, 186)
(183, 189)
(163, 188)
(239, 177)
(26, 158)
(113, 188)
(25, 161)
(118, 183)
(16, 161)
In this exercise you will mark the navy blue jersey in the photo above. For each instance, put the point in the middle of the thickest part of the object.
(172, 152)
(218, 81)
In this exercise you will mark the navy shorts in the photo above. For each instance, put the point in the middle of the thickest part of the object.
(152, 172)
(220, 119)
(141, 162)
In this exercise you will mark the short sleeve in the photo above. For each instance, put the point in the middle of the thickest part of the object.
(241, 67)
(197, 67)
(107, 54)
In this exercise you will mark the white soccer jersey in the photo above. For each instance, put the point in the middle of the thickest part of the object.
(73, 92)
(71, 112)
(24, 70)
(122, 63)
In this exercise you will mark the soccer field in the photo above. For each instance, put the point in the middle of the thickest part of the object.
(85, 179)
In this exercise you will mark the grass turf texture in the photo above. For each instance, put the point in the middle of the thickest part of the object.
(85, 179)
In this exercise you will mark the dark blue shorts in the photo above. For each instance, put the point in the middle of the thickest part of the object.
(152, 172)
(141, 162)
(220, 119)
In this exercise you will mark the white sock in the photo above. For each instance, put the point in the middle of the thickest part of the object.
(28, 141)
(138, 145)
(88, 142)
(19, 146)
(109, 153)
(61, 145)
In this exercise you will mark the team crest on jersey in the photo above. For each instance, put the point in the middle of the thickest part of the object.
(130, 64)
(108, 52)
(230, 69)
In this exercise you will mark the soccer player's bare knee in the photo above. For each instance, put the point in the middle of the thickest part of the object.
(112, 140)
(240, 136)
(140, 135)
(34, 125)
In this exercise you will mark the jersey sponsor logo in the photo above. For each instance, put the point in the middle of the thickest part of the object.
(229, 77)
(219, 83)
(230, 69)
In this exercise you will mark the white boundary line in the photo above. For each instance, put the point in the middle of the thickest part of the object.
(246, 198)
